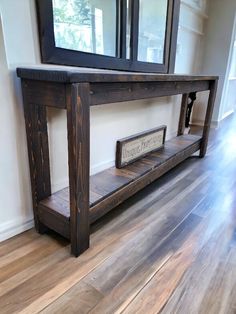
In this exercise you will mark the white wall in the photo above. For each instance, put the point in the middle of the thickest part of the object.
(19, 46)
(15, 201)
(229, 96)
(218, 44)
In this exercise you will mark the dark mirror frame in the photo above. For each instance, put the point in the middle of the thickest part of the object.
(54, 55)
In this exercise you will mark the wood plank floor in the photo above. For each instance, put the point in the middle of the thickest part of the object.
(169, 249)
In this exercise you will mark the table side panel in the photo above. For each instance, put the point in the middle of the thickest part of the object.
(104, 93)
(53, 94)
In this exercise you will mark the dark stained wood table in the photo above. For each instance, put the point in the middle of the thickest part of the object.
(71, 210)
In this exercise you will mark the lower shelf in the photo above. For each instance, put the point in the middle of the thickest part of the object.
(111, 187)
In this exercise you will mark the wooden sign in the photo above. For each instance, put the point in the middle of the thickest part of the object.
(137, 146)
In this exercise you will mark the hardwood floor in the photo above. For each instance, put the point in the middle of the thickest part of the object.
(169, 249)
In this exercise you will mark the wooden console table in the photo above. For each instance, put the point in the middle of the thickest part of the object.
(71, 210)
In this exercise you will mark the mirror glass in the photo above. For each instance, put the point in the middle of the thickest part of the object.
(152, 28)
(85, 25)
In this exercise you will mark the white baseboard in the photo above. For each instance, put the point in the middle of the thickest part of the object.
(12, 228)
(171, 135)
(102, 166)
(61, 184)
(227, 114)
(214, 123)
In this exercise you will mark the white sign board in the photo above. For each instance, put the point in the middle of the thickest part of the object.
(139, 145)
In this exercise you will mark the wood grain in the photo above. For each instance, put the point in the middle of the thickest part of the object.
(81, 299)
(110, 187)
(38, 153)
(75, 75)
(117, 299)
(171, 248)
(78, 127)
(76, 91)
(183, 111)
(107, 93)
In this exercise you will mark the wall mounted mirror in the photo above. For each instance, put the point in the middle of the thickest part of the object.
(130, 35)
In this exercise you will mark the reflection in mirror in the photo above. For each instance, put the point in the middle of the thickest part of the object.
(152, 27)
(128, 28)
(85, 25)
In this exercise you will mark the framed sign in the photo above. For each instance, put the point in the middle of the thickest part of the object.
(134, 147)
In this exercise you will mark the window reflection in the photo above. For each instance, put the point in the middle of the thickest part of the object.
(85, 25)
(152, 26)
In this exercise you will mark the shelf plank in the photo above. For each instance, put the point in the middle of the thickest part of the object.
(107, 188)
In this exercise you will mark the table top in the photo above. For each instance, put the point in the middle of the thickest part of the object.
(65, 74)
